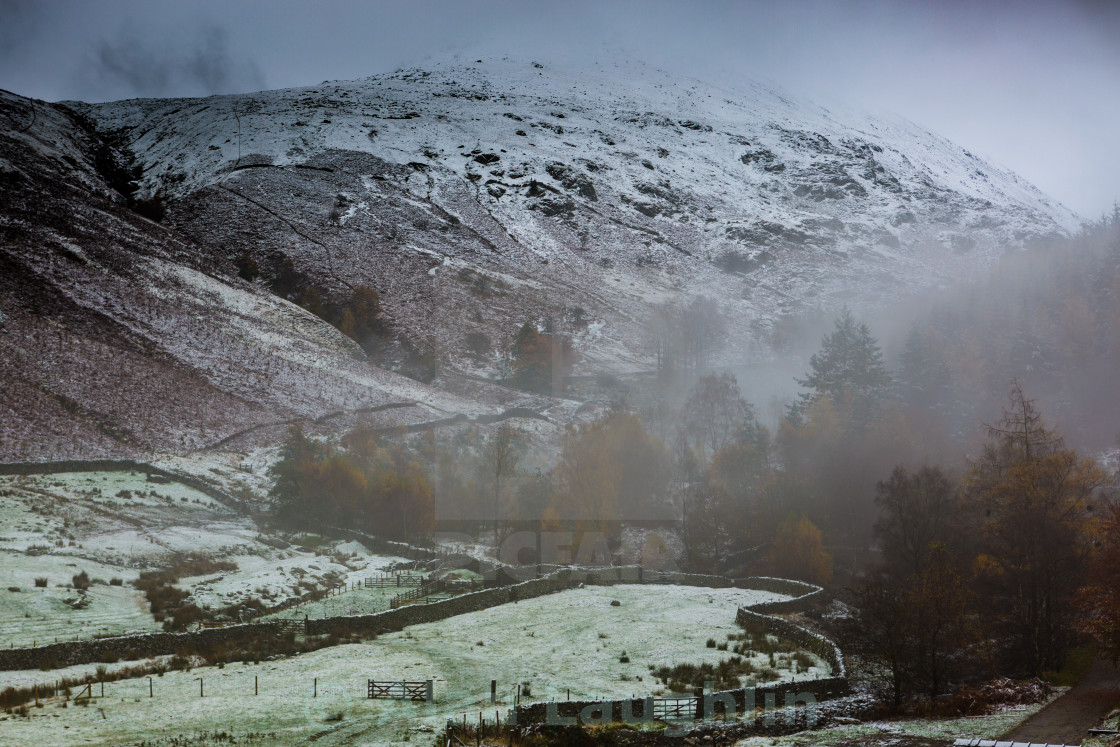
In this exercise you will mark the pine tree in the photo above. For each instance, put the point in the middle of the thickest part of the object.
(541, 361)
(848, 369)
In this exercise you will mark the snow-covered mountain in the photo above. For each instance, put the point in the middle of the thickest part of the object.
(120, 337)
(474, 197)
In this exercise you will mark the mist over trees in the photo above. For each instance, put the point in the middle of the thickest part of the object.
(1048, 317)
(541, 360)
(967, 543)
(684, 336)
(848, 369)
(981, 576)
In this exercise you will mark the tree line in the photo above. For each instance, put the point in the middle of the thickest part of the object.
(960, 551)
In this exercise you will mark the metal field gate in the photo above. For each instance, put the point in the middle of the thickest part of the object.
(677, 709)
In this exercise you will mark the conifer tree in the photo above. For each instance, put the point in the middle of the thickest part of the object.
(848, 369)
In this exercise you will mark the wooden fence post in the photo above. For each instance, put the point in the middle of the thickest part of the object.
(315, 691)
(493, 691)
(151, 688)
(256, 686)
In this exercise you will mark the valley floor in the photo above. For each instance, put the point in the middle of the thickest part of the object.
(570, 640)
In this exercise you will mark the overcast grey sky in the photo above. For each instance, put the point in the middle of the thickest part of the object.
(1034, 86)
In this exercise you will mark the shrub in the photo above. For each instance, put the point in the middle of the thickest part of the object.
(768, 675)
(247, 267)
(711, 643)
(624, 659)
(116, 581)
(183, 616)
(41, 582)
(81, 581)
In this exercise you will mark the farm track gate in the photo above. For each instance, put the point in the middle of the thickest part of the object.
(299, 627)
(417, 691)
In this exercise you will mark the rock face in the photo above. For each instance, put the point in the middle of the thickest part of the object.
(472, 198)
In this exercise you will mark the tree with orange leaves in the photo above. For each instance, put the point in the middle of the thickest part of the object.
(1031, 494)
(1099, 600)
(610, 470)
(799, 552)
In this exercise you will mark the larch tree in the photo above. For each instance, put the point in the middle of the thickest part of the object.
(1031, 494)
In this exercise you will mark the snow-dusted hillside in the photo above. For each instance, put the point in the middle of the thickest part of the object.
(475, 196)
(472, 197)
(120, 337)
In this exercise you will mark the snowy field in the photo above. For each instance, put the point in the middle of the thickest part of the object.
(568, 640)
(875, 733)
(360, 601)
(113, 525)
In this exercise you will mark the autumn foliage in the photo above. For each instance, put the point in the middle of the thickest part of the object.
(799, 552)
(980, 577)
(368, 487)
(541, 360)
(609, 470)
(1099, 600)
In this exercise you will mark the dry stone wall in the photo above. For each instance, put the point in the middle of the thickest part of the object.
(743, 700)
(133, 647)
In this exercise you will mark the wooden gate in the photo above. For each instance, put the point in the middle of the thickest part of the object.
(418, 691)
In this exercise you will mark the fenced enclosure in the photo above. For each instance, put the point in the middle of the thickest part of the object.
(386, 580)
(415, 691)
(424, 594)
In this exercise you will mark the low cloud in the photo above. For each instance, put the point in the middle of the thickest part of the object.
(198, 65)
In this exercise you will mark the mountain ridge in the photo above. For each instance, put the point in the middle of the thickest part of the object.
(477, 197)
